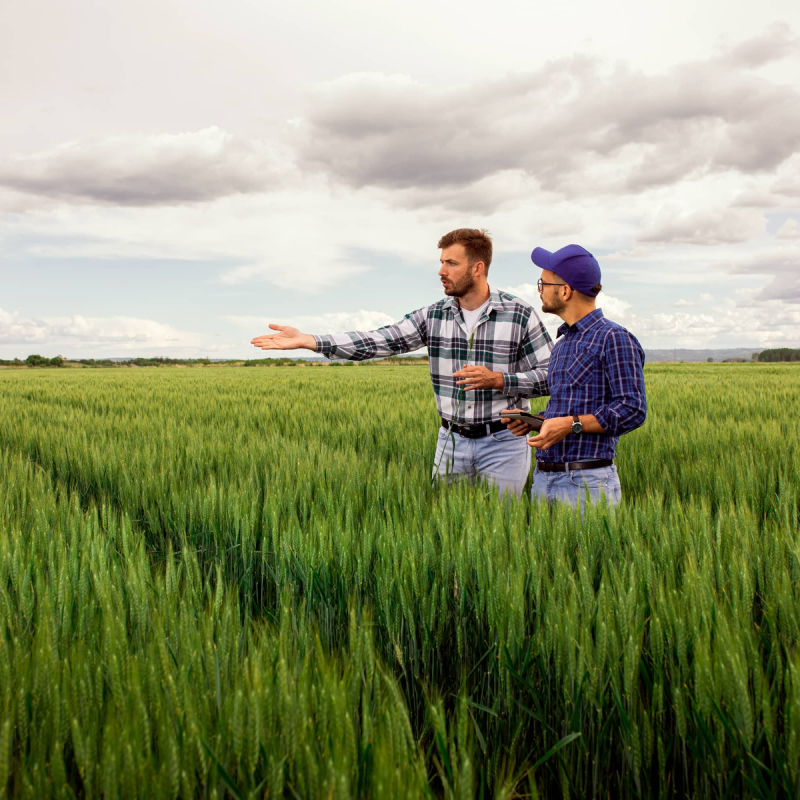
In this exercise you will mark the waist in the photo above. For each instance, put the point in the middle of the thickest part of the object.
(477, 431)
(570, 466)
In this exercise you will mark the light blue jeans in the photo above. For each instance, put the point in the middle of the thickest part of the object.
(502, 459)
(571, 487)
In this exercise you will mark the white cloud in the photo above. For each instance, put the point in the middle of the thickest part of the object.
(122, 333)
(703, 226)
(722, 323)
(784, 267)
(789, 230)
(331, 322)
(575, 126)
(148, 170)
(613, 307)
(527, 292)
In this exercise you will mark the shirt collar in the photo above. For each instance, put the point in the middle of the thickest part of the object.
(495, 302)
(583, 324)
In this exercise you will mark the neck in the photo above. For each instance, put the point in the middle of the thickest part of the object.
(575, 312)
(475, 297)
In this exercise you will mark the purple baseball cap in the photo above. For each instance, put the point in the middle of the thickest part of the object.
(573, 263)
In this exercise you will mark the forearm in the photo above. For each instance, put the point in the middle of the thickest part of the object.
(358, 346)
(309, 343)
(590, 424)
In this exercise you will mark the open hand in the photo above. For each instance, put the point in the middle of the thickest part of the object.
(553, 430)
(478, 378)
(287, 338)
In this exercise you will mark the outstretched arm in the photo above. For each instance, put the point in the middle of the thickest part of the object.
(410, 333)
(287, 338)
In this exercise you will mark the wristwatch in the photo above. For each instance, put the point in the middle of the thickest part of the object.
(577, 425)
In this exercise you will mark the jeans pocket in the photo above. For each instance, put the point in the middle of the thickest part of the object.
(505, 436)
(593, 479)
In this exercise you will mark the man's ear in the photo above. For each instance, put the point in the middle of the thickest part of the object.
(481, 265)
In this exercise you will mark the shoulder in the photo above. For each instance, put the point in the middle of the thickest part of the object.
(511, 301)
(438, 310)
(512, 307)
(616, 337)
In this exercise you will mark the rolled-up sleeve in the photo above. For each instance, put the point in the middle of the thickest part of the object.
(534, 361)
(409, 334)
(623, 361)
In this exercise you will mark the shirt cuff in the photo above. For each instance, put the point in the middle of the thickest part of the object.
(510, 384)
(324, 345)
(604, 419)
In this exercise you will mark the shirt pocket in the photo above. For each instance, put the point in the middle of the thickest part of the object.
(579, 372)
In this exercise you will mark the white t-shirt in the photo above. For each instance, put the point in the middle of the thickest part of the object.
(471, 317)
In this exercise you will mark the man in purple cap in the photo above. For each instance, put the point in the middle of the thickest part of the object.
(596, 384)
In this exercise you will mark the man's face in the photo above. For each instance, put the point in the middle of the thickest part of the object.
(455, 272)
(552, 296)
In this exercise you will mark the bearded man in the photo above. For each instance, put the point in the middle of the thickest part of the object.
(596, 386)
(488, 352)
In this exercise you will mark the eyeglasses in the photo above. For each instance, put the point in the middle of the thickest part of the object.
(540, 284)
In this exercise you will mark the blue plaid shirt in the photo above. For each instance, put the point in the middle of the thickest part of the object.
(595, 368)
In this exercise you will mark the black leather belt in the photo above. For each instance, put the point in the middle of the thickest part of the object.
(545, 466)
(475, 431)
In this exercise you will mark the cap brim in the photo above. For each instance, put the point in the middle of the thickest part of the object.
(541, 257)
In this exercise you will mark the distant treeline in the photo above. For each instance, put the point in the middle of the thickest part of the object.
(58, 361)
(297, 362)
(34, 361)
(143, 362)
(780, 354)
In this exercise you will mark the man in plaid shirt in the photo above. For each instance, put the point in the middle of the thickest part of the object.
(488, 352)
(596, 384)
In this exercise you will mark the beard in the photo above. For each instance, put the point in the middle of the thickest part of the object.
(553, 306)
(460, 288)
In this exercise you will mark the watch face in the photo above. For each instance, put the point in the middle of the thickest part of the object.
(577, 427)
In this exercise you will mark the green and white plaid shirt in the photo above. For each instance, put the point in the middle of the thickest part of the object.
(509, 338)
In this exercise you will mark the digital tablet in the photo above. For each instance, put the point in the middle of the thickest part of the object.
(534, 420)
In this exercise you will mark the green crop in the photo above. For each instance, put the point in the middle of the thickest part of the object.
(241, 581)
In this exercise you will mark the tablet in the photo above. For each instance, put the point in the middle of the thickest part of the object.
(534, 420)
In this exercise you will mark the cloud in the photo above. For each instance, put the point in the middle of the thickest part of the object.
(148, 170)
(776, 43)
(720, 322)
(789, 230)
(574, 126)
(703, 227)
(784, 268)
(333, 322)
(123, 333)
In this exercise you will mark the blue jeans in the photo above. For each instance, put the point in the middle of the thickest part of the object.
(571, 487)
(502, 459)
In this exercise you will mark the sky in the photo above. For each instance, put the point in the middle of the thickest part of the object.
(175, 175)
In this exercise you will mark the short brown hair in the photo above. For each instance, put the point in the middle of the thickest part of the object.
(477, 244)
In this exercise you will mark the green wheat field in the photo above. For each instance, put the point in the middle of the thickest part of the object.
(240, 583)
